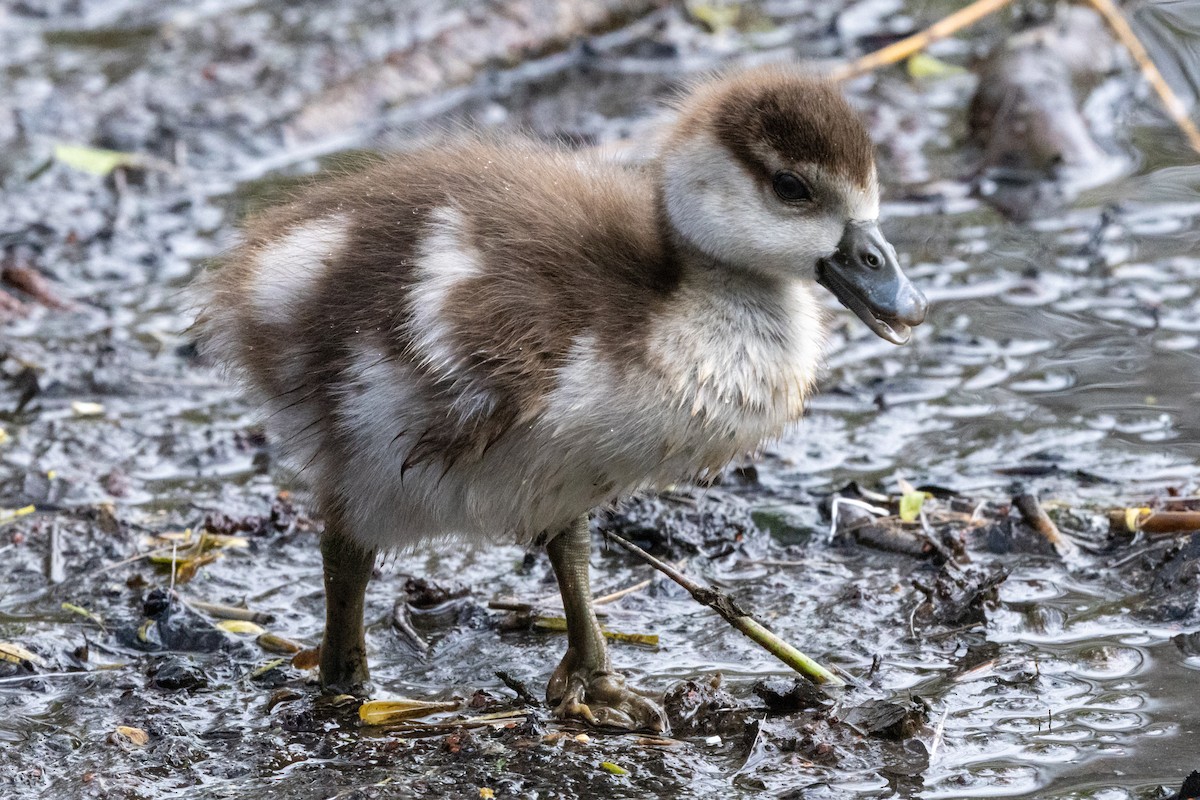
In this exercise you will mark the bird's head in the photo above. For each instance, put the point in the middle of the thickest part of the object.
(771, 170)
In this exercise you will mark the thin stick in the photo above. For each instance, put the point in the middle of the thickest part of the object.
(132, 559)
(1033, 513)
(519, 688)
(898, 51)
(1149, 521)
(1175, 107)
(728, 608)
(229, 612)
(617, 595)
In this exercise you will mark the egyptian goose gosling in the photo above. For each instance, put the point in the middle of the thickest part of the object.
(487, 339)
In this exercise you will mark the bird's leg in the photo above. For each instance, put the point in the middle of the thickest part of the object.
(584, 685)
(348, 568)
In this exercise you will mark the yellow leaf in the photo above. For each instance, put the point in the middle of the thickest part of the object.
(184, 535)
(717, 17)
(274, 643)
(3, 436)
(923, 65)
(1133, 518)
(485, 793)
(613, 769)
(95, 160)
(910, 505)
(222, 540)
(241, 626)
(16, 654)
(136, 736)
(186, 570)
(381, 712)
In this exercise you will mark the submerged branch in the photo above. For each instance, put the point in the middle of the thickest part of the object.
(728, 608)
(1033, 513)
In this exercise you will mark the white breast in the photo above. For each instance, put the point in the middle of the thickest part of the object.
(723, 378)
(720, 381)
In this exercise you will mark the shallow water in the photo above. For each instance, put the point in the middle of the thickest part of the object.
(1065, 349)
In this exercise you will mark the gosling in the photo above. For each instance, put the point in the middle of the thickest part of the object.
(486, 339)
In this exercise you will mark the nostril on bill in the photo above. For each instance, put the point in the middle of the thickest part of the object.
(913, 307)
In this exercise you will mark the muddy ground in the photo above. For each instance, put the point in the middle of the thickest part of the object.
(1060, 358)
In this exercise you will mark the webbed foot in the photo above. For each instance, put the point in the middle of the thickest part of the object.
(600, 697)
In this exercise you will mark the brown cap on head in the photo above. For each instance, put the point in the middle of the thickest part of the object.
(802, 118)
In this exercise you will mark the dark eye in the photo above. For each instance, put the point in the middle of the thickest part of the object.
(790, 186)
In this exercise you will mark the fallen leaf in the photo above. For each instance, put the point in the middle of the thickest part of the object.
(381, 712)
(923, 65)
(83, 408)
(243, 626)
(16, 654)
(559, 625)
(135, 736)
(267, 667)
(94, 160)
(274, 643)
(910, 505)
(309, 658)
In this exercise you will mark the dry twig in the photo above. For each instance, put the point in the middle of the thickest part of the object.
(969, 15)
(898, 51)
(1124, 32)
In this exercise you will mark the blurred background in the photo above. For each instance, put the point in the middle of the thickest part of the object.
(1033, 183)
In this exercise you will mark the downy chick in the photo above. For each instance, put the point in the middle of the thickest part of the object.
(487, 339)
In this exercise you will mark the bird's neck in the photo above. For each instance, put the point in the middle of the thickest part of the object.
(700, 271)
(759, 334)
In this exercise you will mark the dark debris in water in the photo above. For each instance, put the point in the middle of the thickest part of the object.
(1174, 591)
(787, 695)
(703, 708)
(886, 719)
(960, 596)
(684, 522)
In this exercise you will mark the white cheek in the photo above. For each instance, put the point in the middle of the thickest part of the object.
(718, 208)
(812, 239)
